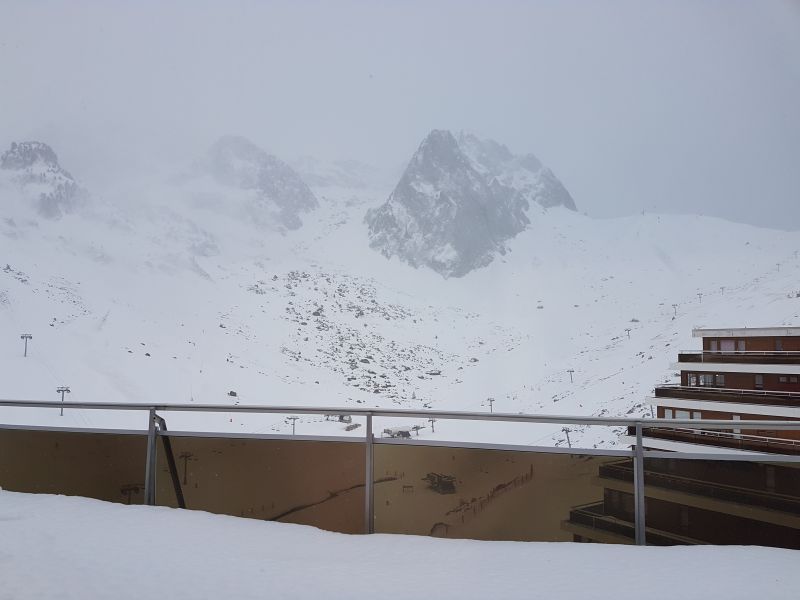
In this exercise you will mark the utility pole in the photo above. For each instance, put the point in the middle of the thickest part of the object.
(700, 296)
(675, 310)
(570, 371)
(491, 402)
(185, 456)
(64, 389)
(432, 421)
(566, 430)
(722, 290)
(293, 420)
(628, 331)
(26, 337)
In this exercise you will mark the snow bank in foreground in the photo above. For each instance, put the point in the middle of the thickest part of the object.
(67, 547)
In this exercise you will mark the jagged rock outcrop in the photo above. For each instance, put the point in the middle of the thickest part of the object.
(34, 167)
(459, 201)
(237, 162)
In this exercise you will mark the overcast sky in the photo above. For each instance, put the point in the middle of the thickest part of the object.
(658, 106)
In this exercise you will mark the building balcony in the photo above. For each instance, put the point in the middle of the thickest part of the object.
(741, 357)
(723, 439)
(677, 480)
(591, 522)
(760, 397)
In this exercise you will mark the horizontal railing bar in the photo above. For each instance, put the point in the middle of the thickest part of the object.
(262, 436)
(399, 412)
(724, 390)
(415, 442)
(743, 457)
(73, 429)
(735, 436)
(745, 352)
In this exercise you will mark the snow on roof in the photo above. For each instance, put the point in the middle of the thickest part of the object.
(747, 332)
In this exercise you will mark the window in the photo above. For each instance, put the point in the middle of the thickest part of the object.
(737, 430)
(740, 346)
(713, 345)
(778, 344)
(696, 414)
(667, 413)
(783, 379)
(707, 380)
(759, 383)
(682, 414)
(727, 345)
(720, 379)
(793, 379)
(692, 379)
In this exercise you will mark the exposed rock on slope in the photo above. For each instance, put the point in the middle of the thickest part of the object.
(33, 166)
(237, 162)
(458, 201)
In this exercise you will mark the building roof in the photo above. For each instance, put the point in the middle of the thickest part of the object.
(747, 332)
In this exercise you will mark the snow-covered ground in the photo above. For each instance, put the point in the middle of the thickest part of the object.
(67, 547)
(165, 293)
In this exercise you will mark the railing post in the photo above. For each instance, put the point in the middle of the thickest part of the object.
(638, 488)
(150, 466)
(369, 480)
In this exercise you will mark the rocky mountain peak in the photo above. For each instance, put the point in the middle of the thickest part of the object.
(237, 162)
(23, 155)
(459, 200)
(34, 168)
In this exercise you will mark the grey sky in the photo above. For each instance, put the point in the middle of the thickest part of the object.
(657, 106)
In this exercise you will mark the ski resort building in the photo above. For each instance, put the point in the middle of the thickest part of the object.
(740, 374)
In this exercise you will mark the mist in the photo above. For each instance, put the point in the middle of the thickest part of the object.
(681, 107)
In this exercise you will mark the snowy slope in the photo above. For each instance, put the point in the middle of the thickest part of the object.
(149, 295)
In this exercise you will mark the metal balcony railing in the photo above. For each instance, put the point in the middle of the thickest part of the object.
(634, 457)
(725, 439)
(722, 394)
(776, 357)
(706, 488)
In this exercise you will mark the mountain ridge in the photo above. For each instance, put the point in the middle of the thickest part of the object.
(459, 201)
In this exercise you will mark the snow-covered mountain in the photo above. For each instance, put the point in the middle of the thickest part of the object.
(174, 298)
(459, 201)
(33, 169)
(275, 190)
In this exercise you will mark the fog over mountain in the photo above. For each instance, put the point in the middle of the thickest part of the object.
(33, 168)
(668, 107)
(278, 190)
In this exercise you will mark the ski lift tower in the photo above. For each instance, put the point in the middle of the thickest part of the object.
(64, 389)
(26, 337)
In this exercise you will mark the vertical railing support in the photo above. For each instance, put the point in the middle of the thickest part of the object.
(638, 488)
(369, 480)
(150, 466)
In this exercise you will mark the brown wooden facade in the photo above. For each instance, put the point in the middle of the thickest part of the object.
(752, 344)
(740, 381)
